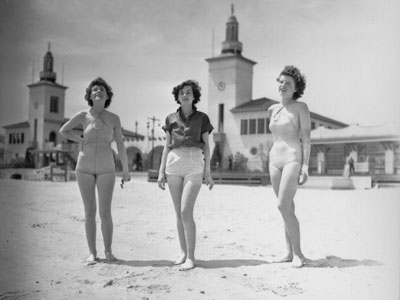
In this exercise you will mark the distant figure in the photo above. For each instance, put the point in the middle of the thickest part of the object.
(96, 166)
(138, 162)
(230, 163)
(185, 159)
(29, 159)
(289, 155)
(351, 165)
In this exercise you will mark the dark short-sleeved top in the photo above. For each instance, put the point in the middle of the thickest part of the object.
(187, 132)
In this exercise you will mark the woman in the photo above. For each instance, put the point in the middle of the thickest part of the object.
(289, 155)
(95, 166)
(185, 159)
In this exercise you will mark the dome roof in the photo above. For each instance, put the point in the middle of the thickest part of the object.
(232, 19)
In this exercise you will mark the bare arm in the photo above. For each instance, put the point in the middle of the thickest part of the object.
(161, 172)
(305, 130)
(121, 148)
(66, 129)
(207, 169)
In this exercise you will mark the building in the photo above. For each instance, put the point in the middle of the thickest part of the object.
(46, 114)
(374, 149)
(241, 122)
(46, 107)
(241, 139)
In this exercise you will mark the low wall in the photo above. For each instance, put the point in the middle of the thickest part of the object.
(339, 183)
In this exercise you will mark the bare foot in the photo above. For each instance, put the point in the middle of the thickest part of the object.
(286, 258)
(188, 265)
(91, 260)
(298, 262)
(110, 257)
(181, 259)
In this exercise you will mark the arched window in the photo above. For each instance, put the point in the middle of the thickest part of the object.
(53, 137)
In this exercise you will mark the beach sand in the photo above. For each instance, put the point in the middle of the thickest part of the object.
(351, 239)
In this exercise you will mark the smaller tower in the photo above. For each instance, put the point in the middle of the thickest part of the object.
(47, 74)
(46, 105)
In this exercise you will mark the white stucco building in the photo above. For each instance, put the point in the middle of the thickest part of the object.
(241, 122)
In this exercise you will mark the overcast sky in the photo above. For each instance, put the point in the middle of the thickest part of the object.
(348, 49)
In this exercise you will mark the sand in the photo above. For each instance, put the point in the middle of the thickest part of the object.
(351, 239)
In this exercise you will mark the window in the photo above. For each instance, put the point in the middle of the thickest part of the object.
(267, 127)
(252, 126)
(243, 126)
(52, 137)
(261, 126)
(16, 138)
(35, 130)
(53, 104)
(221, 118)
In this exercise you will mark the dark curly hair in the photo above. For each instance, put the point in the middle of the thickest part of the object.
(195, 88)
(299, 80)
(100, 82)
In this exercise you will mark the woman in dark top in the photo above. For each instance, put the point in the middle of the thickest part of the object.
(185, 159)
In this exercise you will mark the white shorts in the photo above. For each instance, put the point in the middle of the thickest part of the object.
(185, 161)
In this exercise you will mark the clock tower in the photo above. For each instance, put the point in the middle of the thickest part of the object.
(46, 106)
(230, 83)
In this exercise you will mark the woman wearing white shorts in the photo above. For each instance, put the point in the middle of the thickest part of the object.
(185, 160)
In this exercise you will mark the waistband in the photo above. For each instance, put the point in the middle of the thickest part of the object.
(97, 141)
(187, 149)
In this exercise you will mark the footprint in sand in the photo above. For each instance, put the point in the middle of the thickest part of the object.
(290, 289)
(150, 288)
(38, 225)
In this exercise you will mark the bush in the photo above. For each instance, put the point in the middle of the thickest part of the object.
(240, 162)
(18, 163)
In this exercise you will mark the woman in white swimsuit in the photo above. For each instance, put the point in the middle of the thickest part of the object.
(95, 167)
(289, 155)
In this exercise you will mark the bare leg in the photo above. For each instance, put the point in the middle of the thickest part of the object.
(105, 188)
(286, 190)
(191, 188)
(86, 183)
(175, 186)
(276, 176)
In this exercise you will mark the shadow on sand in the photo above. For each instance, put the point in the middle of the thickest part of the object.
(332, 261)
(229, 263)
(140, 263)
(205, 264)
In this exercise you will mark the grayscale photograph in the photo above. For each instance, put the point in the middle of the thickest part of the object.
(199, 149)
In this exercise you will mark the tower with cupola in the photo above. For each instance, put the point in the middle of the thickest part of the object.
(46, 105)
(230, 84)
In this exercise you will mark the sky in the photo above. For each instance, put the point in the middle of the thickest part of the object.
(348, 50)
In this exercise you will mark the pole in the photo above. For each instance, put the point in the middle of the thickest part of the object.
(33, 72)
(154, 119)
(212, 42)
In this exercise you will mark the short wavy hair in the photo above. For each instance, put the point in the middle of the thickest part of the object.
(299, 80)
(195, 88)
(100, 82)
